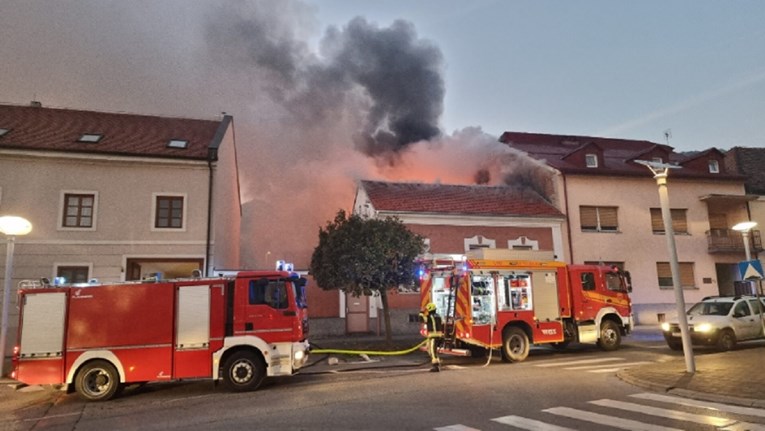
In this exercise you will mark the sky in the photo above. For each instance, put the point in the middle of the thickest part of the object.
(327, 92)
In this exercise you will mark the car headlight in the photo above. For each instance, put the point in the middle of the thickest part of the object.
(703, 327)
(299, 355)
(665, 327)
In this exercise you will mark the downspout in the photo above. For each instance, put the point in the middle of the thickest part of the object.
(209, 215)
(568, 219)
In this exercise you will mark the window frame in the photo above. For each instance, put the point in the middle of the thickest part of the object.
(155, 209)
(714, 166)
(679, 219)
(598, 218)
(63, 208)
(687, 275)
(591, 160)
(87, 267)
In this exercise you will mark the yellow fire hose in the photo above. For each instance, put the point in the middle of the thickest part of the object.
(369, 352)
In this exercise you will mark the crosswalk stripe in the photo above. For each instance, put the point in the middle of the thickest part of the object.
(611, 421)
(594, 367)
(457, 427)
(749, 411)
(743, 426)
(577, 362)
(529, 424)
(665, 413)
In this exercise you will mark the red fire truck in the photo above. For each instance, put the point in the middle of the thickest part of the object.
(515, 299)
(98, 338)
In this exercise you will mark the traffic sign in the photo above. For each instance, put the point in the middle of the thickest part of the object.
(751, 270)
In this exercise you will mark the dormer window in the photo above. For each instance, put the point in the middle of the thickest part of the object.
(90, 138)
(714, 167)
(178, 143)
(591, 160)
(657, 160)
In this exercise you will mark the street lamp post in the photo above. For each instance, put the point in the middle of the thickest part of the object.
(12, 227)
(744, 227)
(660, 172)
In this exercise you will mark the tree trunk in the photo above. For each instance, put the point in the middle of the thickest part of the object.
(386, 315)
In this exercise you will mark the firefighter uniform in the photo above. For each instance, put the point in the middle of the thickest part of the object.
(435, 334)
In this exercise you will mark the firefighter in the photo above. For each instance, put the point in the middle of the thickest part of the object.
(435, 334)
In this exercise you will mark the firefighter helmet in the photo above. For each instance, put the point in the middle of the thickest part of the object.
(431, 307)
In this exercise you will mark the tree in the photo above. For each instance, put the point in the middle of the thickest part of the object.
(366, 255)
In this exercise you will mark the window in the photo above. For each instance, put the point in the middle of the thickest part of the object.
(90, 138)
(657, 160)
(599, 219)
(478, 242)
(79, 210)
(168, 212)
(268, 292)
(679, 220)
(178, 143)
(73, 274)
(4, 131)
(665, 274)
(588, 281)
(591, 160)
(714, 167)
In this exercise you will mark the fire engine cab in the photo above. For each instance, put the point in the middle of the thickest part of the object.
(508, 300)
(97, 338)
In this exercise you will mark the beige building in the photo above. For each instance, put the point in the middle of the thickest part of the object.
(614, 216)
(115, 197)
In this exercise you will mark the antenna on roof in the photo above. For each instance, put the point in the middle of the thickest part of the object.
(667, 135)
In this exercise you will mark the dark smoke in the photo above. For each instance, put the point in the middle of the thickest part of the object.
(389, 74)
(400, 74)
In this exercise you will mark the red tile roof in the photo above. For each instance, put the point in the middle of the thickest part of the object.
(618, 155)
(45, 129)
(507, 201)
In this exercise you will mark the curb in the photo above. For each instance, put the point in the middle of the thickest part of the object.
(687, 393)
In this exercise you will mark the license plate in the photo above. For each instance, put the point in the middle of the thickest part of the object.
(676, 334)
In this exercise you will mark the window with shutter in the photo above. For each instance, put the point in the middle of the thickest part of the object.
(664, 272)
(679, 220)
(599, 219)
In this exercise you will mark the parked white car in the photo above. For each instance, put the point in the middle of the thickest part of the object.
(719, 321)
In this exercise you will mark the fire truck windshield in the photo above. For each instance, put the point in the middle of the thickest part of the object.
(615, 282)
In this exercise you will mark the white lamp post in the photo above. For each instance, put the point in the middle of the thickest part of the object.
(12, 227)
(744, 227)
(660, 172)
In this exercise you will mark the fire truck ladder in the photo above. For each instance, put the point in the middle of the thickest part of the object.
(450, 324)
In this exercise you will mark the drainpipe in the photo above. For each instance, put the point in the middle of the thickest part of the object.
(568, 219)
(209, 215)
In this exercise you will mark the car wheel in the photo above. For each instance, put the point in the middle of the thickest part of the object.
(243, 371)
(97, 381)
(675, 345)
(610, 336)
(515, 344)
(727, 340)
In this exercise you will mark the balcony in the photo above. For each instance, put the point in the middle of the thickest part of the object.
(730, 241)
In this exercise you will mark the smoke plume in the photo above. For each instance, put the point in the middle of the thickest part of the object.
(313, 111)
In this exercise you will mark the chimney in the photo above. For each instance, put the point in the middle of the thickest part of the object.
(35, 104)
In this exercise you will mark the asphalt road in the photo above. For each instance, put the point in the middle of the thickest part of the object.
(576, 389)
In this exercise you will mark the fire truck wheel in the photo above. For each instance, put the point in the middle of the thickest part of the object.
(610, 336)
(515, 344)
(243, 371)
(97, 381)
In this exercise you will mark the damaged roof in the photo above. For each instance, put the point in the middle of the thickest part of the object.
(476, 200)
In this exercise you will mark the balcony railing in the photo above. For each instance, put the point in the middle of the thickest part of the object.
(731, 241)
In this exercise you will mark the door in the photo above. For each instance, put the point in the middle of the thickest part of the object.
(356, 314)
(270, 311)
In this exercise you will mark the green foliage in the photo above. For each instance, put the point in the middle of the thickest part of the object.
(360, 255)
